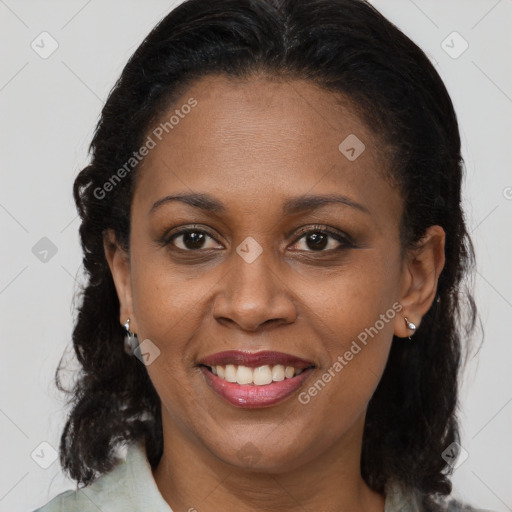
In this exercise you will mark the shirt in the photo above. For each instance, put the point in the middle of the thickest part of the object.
(130, 486)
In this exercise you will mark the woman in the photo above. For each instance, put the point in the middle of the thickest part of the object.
(273, 233)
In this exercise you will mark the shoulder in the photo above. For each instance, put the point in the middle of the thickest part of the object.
(399, 499)
(99, 495)
(128, 485)
(453, 505)
(68, 501)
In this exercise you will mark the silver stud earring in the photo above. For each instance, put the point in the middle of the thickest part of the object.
(409, 325)
(130, 339)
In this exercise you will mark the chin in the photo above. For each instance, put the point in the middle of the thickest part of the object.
(264, 455)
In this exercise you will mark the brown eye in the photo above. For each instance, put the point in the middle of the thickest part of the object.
(192, 239)
(317, 241)
(321, 240)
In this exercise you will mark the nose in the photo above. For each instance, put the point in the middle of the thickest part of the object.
(254, 295)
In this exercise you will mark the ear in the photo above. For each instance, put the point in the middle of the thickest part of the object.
(422, 267)
(119, 262)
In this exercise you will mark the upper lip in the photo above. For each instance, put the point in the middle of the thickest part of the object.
(255, 359)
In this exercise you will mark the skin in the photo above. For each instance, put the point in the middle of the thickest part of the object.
(253, 144)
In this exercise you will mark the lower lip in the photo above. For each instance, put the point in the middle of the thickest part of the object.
(252, 396)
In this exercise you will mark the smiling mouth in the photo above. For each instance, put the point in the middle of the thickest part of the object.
(258, 376)
(255, 379)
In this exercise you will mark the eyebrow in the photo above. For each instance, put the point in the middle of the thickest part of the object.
(201, 201)
(291, 206)
(310, 202)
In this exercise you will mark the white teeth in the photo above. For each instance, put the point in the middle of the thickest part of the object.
(289, 371)
(278, 373)
(230, 373)
(244, 375)
(260, 376)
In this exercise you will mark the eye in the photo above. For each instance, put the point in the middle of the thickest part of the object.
(192, 240)
(319, 239)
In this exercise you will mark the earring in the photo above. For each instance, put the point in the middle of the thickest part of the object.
(130, 339)
(410, 325)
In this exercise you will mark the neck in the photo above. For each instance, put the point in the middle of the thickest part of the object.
(190, 477)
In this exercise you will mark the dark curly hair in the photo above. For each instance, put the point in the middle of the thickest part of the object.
(349, 48)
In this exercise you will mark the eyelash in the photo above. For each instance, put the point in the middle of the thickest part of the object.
(344, 240)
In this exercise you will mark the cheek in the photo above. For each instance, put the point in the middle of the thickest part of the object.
(168, 312)
(167, 306)
(165, 295)
(339, 392)
(353, 297)
(357, 310)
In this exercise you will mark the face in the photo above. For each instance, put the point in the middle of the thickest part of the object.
(283, 244)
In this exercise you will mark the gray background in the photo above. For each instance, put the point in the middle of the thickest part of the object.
(49, 107)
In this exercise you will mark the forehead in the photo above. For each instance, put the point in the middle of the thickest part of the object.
(288, 112)
(251, 139)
